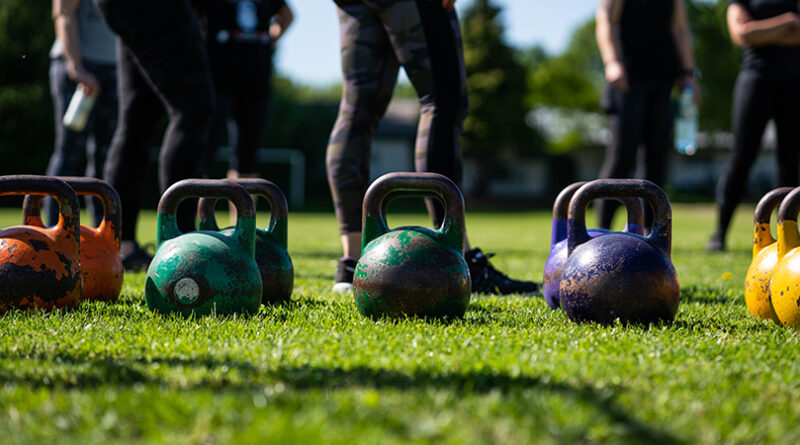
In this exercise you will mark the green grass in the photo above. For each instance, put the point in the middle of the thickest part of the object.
(512, 371)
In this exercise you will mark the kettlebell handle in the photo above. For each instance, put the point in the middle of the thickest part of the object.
(634, 224)
(762, 215)
(661, 232)
(393, 185)
(111, 225)
(68, 207)
(167, 224)
(788, 236)
(279, 209)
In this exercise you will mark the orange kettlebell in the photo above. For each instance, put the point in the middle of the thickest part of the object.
(765, 257)
(102, 270)
(40, 267)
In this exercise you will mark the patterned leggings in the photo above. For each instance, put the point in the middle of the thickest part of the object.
(377, 37)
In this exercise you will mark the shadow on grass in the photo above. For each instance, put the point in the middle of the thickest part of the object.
(90, 373)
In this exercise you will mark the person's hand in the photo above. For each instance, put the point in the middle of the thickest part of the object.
(448, 4)
(85, 80)
(616, 75)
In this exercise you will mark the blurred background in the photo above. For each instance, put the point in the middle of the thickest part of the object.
(535, 124)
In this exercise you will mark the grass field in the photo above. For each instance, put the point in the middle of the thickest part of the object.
(512, 371)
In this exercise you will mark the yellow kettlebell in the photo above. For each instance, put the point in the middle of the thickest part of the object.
(785, 286)
(765, 257)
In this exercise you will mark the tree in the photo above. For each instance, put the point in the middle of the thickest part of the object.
(26, 116)
(717, 60)
(572, 79)
(497, 90)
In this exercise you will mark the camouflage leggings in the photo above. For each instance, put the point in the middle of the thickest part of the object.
(377, 37)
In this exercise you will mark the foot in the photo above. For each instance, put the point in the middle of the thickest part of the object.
(716, 243)
(344, 275)
(488, 280)
(134, 258)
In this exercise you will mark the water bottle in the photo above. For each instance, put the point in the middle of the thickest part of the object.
(686, 123)
(78, 110)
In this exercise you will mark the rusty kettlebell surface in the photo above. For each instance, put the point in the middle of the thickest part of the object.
(619, 275)
(40, 267)
(204, 272)
(101, 266)
(558, 239)
(272, 256)
(412, 270)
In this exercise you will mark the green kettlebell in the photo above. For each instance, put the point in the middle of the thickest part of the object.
(272, 257)
(412, 271)
(204, 272)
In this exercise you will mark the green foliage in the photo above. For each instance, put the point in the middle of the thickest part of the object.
(718, 60)
(26, 116)
(315, 371)
(496, 83)
(572, 79)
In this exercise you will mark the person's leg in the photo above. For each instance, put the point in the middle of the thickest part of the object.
(787, 117)
(626, 128)
(656, 138)
(369, 72)
(433, 60)
(250, 113)
(752, 108)
(68, 156)
(166, 43)
(432, 57)
(104, 122)
(139, 114)
(218, 131)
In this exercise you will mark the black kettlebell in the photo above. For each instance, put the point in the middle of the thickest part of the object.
(619, 275)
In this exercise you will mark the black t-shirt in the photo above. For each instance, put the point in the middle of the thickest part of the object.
(770, 58)
(238, 43)
(648, 47)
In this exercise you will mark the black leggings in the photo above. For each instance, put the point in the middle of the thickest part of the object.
(249, 111)
(757, 97)
(162, 65)
(641, 123)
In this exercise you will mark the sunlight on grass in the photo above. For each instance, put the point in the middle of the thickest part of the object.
(314, 370)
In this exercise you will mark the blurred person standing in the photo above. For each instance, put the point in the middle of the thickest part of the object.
(84, 55)
(768, 87)
(240, 39)
(162, 66)
(647, 49)
(377, 37)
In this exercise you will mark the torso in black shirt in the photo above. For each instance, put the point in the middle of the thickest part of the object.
(648, 47)
(770, 58)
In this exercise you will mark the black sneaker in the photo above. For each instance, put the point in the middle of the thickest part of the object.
(344, 275)
(716, 243)
(135, 259)
(488, 280)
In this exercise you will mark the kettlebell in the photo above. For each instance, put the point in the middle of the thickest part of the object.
(765, 257)
(40, 267)
(619, 275)
(277, 272)
(558, 239)
(784, 288)
(204, 272)
(412, 270)
(101, 266)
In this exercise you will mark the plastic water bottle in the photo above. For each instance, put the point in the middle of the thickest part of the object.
(686, 123)
(78, 110)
